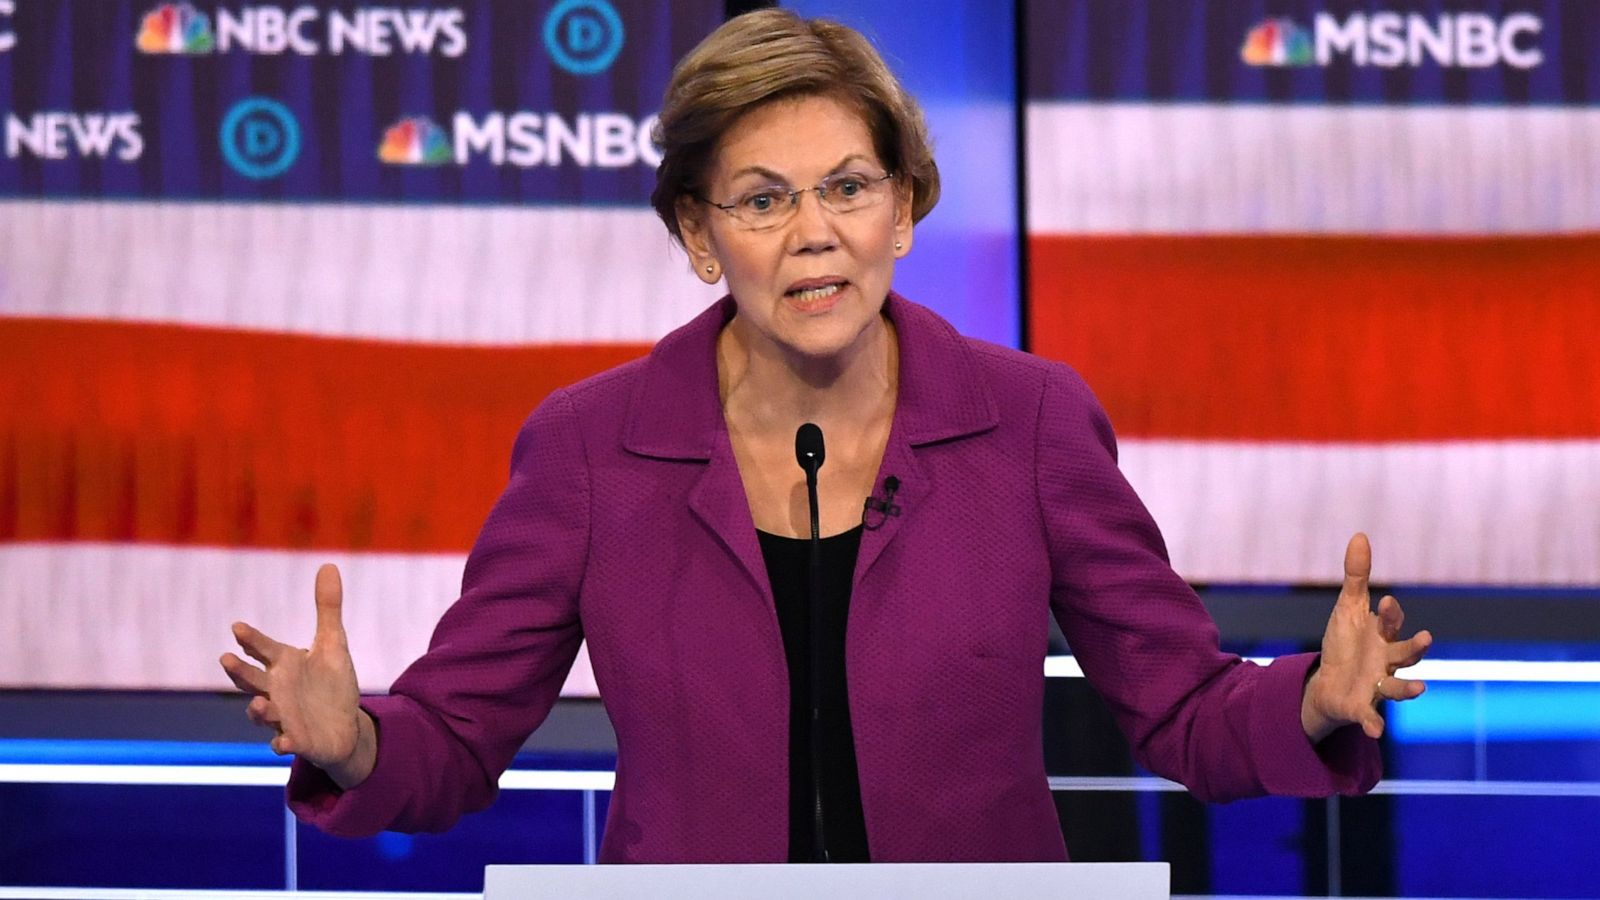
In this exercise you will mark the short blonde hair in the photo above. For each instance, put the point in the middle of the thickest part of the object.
(773, 54)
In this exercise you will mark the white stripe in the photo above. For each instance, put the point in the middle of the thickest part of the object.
(79, 893)
(1478, 512)
(1538, 671)
(106, 773)
(1463, 788)
(602, 780)
(61, 598)
(1508, 670)
(1062, 667)
(530, 780)
(445, 274)
(149, 616)
(1136, 168)
(213, 894)
(264, 776)
(1406, 787)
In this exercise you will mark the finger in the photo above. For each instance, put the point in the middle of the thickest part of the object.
(261, 648)
(1372, 723)
(1403, 688)
(262, 712)
(1403, 654)
(330, 603)
(282, 746)
(1390, 618)
(244, 676)
(1357, 570)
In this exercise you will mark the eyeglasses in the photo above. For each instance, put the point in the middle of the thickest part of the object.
(767, 207)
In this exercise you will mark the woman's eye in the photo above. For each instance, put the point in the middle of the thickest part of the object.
(761, 201)
(849, 187)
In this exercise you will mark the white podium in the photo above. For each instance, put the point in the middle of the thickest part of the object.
(880, 881)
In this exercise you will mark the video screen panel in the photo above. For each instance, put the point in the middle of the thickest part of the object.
(278, 285)
(1331, 267)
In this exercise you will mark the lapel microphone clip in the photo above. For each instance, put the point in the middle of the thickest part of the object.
(885, 507)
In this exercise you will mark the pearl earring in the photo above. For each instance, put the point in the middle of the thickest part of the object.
(898, 245)
(710, 268)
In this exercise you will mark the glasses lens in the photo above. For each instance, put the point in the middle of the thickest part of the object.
(771, 206)
(763, 207)
(850, 191)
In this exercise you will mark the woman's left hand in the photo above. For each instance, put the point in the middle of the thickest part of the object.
(1360, 652)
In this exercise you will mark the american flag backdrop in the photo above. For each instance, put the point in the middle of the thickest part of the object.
(1331, 266)
(278, 284)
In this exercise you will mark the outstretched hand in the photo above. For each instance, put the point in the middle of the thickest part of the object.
(1361, 650)
(309, 697)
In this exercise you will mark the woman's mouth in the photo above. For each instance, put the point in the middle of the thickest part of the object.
(812, 295)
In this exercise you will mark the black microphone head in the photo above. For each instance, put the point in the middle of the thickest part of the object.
(808, 447)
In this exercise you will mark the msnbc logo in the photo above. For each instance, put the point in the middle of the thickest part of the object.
(415, 141)
(1389, 40)
(175, 28)
(1277, 42)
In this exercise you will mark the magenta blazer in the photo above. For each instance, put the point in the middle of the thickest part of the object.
(625, 523)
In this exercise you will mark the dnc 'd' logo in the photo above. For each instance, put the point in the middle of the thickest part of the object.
(415, 141)
(260, 138)
(175, 28)
(583, 36)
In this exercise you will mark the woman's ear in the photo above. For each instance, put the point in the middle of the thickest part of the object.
(697, 241)
(902, 222)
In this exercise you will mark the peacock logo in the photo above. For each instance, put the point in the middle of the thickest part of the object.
(415, 141)
(175, 28)
(1278, 42)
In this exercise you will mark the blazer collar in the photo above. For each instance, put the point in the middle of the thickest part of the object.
(675, 412)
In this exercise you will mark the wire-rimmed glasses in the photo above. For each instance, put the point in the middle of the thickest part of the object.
(759, 209)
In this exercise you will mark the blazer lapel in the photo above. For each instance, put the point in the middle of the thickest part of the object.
(901, 462)
(675, 415)
(943, 395)
(718, 501)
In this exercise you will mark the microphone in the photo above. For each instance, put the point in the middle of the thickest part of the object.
(808, 452)
(887, 506)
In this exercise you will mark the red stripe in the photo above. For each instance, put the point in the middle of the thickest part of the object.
(135, 432)
(1327, 339)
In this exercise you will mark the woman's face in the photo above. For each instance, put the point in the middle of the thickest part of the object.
(814, 283)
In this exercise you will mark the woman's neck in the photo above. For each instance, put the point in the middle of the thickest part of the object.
(767, 389)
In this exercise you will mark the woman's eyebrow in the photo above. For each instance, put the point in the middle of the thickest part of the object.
(763, 171)
(846, 161)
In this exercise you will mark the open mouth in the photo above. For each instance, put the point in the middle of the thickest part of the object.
(812, 295)
(815, 293)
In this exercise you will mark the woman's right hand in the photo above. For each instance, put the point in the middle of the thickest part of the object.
(310, 697)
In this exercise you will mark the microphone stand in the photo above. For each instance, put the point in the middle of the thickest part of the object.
(808, 449)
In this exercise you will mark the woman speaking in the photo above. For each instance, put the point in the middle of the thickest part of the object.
(826, 648)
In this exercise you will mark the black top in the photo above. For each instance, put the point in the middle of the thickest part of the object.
(788, 562)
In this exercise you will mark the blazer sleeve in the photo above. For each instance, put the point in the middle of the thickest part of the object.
(1223, 727)
(453, 721)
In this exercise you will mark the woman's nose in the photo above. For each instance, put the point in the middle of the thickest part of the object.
(812, 227)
